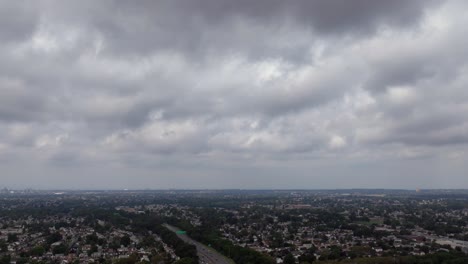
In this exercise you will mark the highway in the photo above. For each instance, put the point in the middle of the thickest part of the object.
(206, 254)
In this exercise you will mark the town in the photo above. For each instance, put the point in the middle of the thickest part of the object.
(283, 226)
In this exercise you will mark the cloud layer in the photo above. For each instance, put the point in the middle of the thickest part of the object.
(233, 94)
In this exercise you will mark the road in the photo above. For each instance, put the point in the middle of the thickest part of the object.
(206, 254)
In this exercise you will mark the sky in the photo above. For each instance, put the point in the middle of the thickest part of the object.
(214, 94)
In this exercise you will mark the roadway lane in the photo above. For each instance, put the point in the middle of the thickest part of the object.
(206, 255)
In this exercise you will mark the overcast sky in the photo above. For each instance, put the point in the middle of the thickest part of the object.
(234, 94)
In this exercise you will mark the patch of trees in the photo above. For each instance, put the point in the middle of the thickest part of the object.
(208, 235)
(452, 257)
(182, 249)
(144, 223)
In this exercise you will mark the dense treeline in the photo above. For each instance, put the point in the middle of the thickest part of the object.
(144, 223)
(437, 258)
(182, 249)
(206, 234)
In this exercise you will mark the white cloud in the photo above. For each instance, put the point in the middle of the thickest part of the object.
(401, 95)
(45, 141)
(337, 142)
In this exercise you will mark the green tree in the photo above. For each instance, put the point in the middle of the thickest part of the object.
(60, 249)
(6, 259)
(289, 259)
(12, 238)
(185, 261)
(37, 251)
(125, 240)
(93, 249)
(3, 246)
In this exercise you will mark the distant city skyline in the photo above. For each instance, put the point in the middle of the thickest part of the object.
(218, 94)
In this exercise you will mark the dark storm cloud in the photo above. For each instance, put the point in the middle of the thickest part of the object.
(404, 71)
(327, 17)
(210, 27)
(18, 20)
(17, 103)
(211, 87)
(427, 126)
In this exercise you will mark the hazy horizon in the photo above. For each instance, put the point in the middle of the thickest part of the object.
(370, 190)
